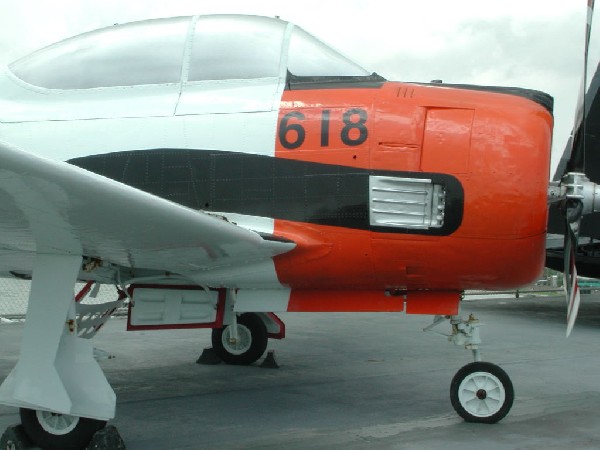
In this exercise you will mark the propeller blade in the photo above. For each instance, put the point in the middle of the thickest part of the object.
(573, 209)
(588, 29)
(570, 277)
(574, 301)
(576, 162)
(573, 212)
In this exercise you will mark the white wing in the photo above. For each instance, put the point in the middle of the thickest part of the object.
(57, 208)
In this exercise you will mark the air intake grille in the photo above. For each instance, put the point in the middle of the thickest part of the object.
(406, 202)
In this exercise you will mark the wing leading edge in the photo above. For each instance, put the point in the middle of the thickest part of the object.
(56, 208)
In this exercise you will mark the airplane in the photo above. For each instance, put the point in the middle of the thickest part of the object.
(587, 250)
(220, 169)
(570, 220)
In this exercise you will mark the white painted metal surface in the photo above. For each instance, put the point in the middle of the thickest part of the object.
(81, 213)
(481, 394)
(250, 274)
(236, 339)
(247, 132)
(25, 103)
(254, 223)
(173, 306)
(56, 368)
(91, 318)
(230, 96)
(56, 424)
(263, 300)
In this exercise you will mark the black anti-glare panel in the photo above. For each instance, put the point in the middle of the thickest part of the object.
(257, 185)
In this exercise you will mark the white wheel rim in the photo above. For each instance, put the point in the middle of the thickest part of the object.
(243, 343)
(481, 394)
(57, 424)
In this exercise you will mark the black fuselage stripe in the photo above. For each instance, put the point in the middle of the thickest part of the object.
(265, 186)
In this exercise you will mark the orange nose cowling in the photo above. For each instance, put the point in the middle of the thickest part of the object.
(498, 147)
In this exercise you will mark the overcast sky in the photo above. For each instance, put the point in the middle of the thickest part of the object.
(535, 44)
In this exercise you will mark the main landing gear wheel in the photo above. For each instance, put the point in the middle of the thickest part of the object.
(52, 431)
(250, 345)
(481, 392)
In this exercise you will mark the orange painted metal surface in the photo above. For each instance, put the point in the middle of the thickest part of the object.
(415, 302)
(307, 300)
(496, 145)
(433, 302)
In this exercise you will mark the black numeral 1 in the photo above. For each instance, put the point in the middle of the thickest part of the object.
(325, 128)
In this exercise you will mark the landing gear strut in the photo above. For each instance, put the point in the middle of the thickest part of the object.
(62, 392)
(480, 391)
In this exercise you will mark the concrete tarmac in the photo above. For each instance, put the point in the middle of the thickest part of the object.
(354, 381)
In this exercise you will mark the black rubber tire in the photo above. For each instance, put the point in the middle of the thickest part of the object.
(76, 439)
(258, 343)
(499, 411)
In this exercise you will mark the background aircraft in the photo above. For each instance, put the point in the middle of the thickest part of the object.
(280, 177)
(588, 250)
(578, 254)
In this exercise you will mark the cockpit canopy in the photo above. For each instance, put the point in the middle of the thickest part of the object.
(183, 49)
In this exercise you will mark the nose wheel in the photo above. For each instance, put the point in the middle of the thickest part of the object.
(481, 392)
